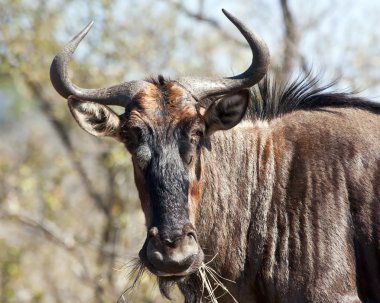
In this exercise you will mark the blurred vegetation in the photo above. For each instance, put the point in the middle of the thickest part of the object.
(70, 220)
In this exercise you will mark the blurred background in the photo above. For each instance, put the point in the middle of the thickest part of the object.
(70, 219)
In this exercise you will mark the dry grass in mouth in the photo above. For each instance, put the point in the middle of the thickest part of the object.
(211, 281)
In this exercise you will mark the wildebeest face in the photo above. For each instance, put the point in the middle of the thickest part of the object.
(164, 129)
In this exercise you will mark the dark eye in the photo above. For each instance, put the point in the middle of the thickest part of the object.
(195, 136)
(133, 136)
(135, 139)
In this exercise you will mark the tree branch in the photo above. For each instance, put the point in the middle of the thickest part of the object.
(49, 229)
(291, 39)
(199, 16)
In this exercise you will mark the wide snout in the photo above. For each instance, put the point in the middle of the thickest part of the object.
(173, 253)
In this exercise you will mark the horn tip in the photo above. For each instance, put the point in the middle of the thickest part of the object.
(88, 26)
(229, 16)
(82, 34)
(225, 12)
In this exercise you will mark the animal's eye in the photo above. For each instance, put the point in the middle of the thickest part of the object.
(195, 136)
(199, 133)
(135, 139)
(133, 136)
(136, 133)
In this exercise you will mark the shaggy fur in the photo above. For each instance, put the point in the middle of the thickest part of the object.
(291, 202)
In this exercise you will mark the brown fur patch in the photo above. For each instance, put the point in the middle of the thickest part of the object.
(180, 104)
(147, 99)
(175, 92)
(195, 192)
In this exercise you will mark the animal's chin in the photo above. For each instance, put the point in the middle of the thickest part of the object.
(166, 284)
(173, 279)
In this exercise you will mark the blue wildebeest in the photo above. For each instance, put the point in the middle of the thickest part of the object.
(280, 187)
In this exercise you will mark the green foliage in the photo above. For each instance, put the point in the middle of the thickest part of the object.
(10, 271)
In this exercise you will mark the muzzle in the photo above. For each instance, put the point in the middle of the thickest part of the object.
(170, 253)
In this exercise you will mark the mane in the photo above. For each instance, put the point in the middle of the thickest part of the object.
(271, 99)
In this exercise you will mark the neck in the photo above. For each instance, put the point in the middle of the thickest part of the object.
(238, 171)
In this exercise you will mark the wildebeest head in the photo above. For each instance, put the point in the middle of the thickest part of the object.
(164, 127)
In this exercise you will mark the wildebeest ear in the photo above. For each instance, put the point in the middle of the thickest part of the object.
(227, 112)
(97, 119)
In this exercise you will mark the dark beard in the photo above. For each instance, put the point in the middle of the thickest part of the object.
(166, 286)
(190, 286)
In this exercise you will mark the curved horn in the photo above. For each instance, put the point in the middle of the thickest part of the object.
(119, 94)
(202, 87)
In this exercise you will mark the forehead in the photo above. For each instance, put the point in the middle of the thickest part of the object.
(165, 103)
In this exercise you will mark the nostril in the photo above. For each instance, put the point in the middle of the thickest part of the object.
(192, 234)
(153, 232)
(189, 231)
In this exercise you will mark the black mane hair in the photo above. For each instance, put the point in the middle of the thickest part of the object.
(271, 99)
(158, 80)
